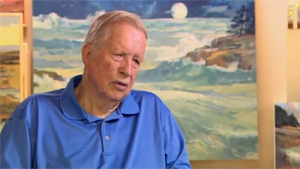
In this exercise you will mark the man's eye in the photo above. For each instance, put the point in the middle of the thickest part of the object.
(119, 54)
(136, 61)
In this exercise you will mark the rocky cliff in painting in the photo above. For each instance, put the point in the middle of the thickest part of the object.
(227, 50)
(51, 74)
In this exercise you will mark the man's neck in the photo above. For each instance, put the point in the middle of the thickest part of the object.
(92, 102)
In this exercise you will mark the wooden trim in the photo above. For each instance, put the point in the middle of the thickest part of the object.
(28, 38)
(26, 68)
(13, 14)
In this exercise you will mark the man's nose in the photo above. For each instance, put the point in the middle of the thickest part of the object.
(126, 67)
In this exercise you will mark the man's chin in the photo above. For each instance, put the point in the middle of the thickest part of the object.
(118, 96)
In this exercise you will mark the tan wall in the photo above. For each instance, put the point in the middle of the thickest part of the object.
(271, 28)
(293, 65)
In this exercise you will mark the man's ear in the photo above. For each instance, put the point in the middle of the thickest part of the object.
(86, 53)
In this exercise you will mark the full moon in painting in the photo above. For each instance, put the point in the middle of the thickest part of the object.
(179, 11)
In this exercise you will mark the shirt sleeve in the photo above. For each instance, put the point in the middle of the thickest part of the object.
(175, 149)
(15, 144)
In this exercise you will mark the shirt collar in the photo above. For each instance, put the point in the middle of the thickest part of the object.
(72, 109)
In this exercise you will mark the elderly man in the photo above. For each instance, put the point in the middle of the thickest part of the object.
(98, 121)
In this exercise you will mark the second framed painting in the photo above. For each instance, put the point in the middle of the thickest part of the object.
(12, 64)
(287, 135)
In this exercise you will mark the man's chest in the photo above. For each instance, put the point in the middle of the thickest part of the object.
(114, 144)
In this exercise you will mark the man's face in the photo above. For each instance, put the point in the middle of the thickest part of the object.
(113, 68)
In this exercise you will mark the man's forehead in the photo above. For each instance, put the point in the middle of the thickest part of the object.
(118, 29)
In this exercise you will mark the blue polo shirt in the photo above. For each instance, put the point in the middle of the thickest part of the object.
(51, 130)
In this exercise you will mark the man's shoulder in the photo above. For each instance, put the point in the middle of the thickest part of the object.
(44, 96)
(36, 100)
(147, 97)
(143, 94)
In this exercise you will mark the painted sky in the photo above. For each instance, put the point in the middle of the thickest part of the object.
(144, 8)
(11, 5)
(9, 31)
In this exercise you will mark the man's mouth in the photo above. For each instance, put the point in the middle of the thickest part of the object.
(121, 85)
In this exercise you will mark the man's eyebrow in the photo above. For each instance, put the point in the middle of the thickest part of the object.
(123, 51)
(120, 50)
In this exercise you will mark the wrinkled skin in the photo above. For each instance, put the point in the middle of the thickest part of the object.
(112, 70)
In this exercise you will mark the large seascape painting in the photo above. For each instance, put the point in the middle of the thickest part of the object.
(10, 78)
(287, 134)
(200, 59)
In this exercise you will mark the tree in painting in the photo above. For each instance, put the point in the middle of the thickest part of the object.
(243, 22)
(200, 60)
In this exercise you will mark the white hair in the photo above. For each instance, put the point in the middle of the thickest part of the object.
(100, 29)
